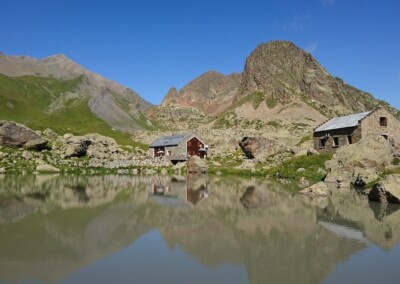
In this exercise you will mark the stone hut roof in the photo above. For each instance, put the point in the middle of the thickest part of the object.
(173, 140)
(343, 121)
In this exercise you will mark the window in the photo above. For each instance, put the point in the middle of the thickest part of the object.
(322, 142)
(383, 121)
(335, 141)
(349, 139)
(385, 136)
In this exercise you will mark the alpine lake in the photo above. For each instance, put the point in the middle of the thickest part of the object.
(190, 229)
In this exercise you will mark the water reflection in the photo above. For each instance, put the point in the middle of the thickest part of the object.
(77, 229)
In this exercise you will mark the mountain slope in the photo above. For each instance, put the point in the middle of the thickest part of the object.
(28, 100)
(283, 86)
(211, 92)
(285, 73)
(111, 102)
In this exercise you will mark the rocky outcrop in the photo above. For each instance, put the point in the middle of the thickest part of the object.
(387, 190)
(259, 147)
(17, 135)
(364, 160)
(196, 165)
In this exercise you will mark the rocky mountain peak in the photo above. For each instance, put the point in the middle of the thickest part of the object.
(172, 97)
(283, 72)
(211, 92)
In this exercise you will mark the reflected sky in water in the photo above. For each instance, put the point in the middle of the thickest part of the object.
(372, 265)
(197, 229)
(149, 260)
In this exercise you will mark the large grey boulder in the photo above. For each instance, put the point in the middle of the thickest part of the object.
(387, 190)
(364, 159)
(260, 147)
(197, 165)
(18, 135)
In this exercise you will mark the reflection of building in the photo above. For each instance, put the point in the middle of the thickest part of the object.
(195, 195)
(346, 130)
(178, 147)
(179, 193)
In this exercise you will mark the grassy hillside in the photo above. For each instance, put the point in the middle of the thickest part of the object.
(26, 100)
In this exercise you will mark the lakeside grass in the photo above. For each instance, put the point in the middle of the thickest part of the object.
(287, 169)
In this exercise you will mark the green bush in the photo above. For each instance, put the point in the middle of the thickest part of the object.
(271, 102)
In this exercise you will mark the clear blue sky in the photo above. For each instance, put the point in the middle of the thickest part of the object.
(150, 46)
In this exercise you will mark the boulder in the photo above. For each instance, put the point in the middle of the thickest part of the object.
(27, 155)
(303, 152)
(363, 159)
(312, 151)
(387, 190)
(260, 148)
(46, 168)
(197, 165)
(17, 135)
(318, 189)
(77, 146)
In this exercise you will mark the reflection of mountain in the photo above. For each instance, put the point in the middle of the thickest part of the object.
(380, 225)
(76, 221)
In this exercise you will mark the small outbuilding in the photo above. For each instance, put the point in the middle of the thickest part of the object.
(178, 147)
(346, 130)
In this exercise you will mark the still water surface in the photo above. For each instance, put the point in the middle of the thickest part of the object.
(133, 229)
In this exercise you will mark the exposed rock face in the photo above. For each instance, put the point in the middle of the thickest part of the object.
(386, 191)
(260, 147)
(284, 72)
(196, 165)
(360, 160)
(17, 135)
(211, 93)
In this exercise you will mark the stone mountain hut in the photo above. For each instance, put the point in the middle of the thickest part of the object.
(346, 130)
(178, 147)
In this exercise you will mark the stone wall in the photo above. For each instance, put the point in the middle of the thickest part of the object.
(371, 126)
(342, 136)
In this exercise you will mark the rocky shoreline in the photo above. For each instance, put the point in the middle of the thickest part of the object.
(372, 162)
(89, 154)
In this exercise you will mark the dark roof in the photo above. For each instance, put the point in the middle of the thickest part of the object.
(343, 121)
(173, 140)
